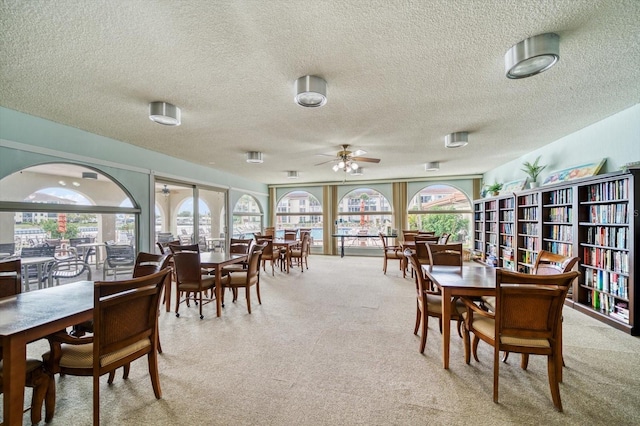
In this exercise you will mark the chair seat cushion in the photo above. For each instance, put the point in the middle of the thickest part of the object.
(486, 326)
(434, 305)
(32, 365)
(81, 356)
(489, 302)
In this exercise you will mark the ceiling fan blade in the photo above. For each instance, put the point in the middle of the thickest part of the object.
(325, 162)
(325, 155)
(366, 159)
(358, 152)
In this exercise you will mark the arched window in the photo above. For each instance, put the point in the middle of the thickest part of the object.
(442, 209)
(247, 217)
(56, 203)
(364, 211)
(180, 217)
(300, 209)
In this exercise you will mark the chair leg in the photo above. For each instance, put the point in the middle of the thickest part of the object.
(475, 348)
(153, 372)
(177, 301)
(40, 384)
(248, 296)
(524, 361)
(425, 327)
(258, 292)
(96, 400)
(125, 372)
(553, 381)
(417, 327)
(496, 373)
(112, 375)
(200, 297)
(467, 344)
(50, 399)
(384, 265)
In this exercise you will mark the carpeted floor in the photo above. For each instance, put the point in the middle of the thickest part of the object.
(335, 346)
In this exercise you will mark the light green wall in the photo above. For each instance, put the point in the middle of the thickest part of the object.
(616, 138)
(26, 140)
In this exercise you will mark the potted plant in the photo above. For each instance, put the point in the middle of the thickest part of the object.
(494, 189)
(533, 170)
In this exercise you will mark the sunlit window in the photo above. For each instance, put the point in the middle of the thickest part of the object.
(247, 217)
(442, 209)
(300, 210)
(56, 204)
(364, 212)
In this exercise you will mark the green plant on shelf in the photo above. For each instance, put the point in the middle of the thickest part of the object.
(533, 170)
(494, 189)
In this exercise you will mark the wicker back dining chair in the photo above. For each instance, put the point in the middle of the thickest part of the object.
(247, 278)
(191, 281)
(429, 303)
(269, 253)
(526, 320)
(125, 329)
(390, 252)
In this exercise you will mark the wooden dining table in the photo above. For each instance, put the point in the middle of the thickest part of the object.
(30, 316)
(217, 261)
(455, 281)
(287, 245)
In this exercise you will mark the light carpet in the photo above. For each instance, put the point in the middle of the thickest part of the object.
(335, 346)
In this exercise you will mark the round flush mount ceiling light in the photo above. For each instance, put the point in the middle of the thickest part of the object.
(456, 140)
(311, 91)
(164, 113)
(532, 56)
(432, 166)
(254, 157)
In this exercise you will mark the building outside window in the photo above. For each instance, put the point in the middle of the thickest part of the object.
(300, 209)
(247, 217)
(442, 209)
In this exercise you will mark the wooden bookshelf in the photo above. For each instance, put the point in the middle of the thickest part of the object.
(478, 228)
(506, 235)
(607, 231)
(559, 223)
(594, 218)
(491, 231)
(528, 242)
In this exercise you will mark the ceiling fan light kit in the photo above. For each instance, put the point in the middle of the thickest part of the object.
(532, 56)
(456, 140)
(311, 91)
(164, 113)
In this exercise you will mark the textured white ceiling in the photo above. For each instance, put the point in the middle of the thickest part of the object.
(401, 75)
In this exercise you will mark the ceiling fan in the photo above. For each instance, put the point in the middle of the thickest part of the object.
(347, 161)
